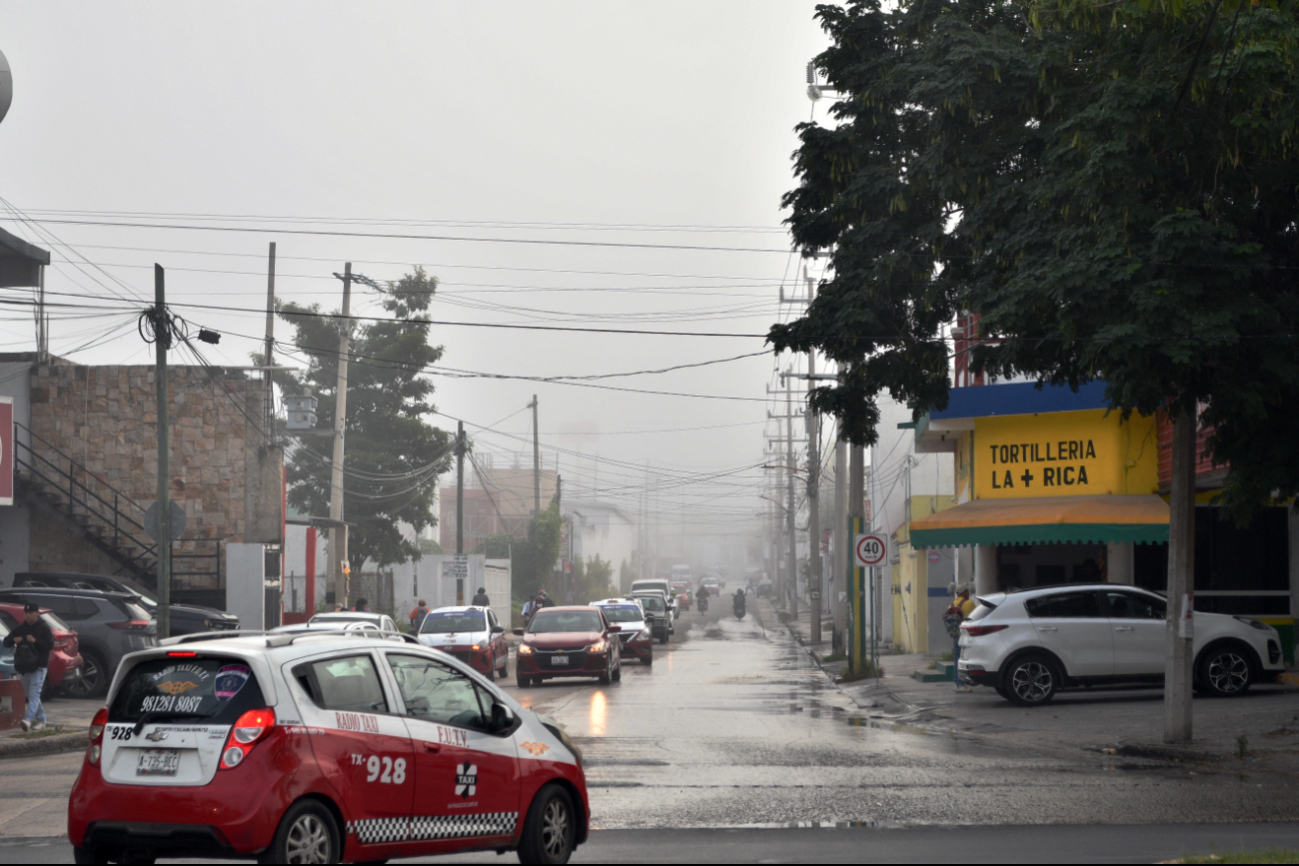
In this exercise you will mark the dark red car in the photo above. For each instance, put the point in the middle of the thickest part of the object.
(569, 642)
(65, 658)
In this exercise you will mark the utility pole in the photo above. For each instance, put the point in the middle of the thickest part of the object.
(536, 459)
(792, 564)
(460, 510)
(813, 495)
(857, 517)
(842, 544)
(270, 342)
(1181, 576)
(162, 341)
(338, 568)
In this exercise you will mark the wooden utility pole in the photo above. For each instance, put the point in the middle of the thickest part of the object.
(460, 512)
(1181, 581)
(536, 460)
(842, 547)
(162, 341)
(791, 587)
(813, 497)
(338, 567)
(857, 612)
(269, 361)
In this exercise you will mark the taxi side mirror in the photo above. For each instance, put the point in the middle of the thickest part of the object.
(519, 632)
(502, 718)
(498, 629)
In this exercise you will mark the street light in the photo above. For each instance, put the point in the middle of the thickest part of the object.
(6, 86)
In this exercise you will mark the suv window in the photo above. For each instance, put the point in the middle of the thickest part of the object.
(1129, 605)
(1065, 605)
(436, 693)
(214, 689)
(348, 683)
(64, 605)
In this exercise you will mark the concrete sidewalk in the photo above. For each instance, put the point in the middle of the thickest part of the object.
(1124, 721)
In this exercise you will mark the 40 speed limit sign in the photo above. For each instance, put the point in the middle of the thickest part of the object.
(871, 550)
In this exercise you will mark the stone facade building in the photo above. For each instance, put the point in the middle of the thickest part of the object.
(87, 470)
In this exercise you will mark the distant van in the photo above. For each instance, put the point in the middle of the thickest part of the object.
(654, 584)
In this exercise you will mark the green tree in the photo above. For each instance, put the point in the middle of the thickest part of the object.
(593, 579)
(534, 559)
(393, 456)
(1111, 188)
(497, 546)
(1116, 203)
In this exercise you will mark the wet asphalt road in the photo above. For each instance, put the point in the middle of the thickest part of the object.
(735, 732)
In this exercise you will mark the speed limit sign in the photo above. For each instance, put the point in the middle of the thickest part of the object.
(871, 549)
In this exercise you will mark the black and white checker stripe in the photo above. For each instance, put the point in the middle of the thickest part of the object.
(373, 831)
(463, 826)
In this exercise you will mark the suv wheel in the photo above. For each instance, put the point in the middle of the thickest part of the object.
(1225, 672)
(550, 832)
(1031, 680)
(94, 676)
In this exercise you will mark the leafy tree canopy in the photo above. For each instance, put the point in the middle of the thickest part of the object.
(1113, 191)
(534, 559)
(393, 456)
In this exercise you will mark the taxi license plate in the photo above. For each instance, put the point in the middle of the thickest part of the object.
(559, 661)
(158, 762)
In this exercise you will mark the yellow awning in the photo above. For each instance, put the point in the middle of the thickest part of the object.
(1048, 520)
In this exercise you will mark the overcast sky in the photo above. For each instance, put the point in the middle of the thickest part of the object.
(666, 123)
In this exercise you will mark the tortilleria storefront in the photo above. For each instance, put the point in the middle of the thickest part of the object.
(1053, 488)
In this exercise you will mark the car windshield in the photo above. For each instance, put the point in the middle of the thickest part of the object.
(652, 602)
(211, 688)
(453, 622)
(340, 618)
(553, 622)
(622, 612)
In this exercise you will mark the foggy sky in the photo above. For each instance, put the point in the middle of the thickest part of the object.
(580, 115)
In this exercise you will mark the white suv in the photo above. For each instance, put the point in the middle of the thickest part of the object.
(1031, 643)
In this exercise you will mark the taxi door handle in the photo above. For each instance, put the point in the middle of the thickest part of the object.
(432, 748)
(1123, 628)
(1047, 628)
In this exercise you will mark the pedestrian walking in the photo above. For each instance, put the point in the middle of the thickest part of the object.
(481, 599)
(32, 642)
(417, 617)
(957, 613)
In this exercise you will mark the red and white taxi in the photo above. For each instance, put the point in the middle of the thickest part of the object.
(319, 748)
(471, 634)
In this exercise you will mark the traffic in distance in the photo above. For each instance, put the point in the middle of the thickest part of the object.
(340, 739)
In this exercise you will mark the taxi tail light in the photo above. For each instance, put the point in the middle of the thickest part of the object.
(251, 727)
(981, 630)
(97, 726)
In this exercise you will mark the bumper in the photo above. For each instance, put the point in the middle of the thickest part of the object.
(638, 649)
(978, 677)
(476, 660)
(591, 666)
(158, 840)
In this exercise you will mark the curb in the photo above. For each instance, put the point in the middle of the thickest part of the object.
(71, 742)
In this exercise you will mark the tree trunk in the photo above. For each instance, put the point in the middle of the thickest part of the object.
(1181, 582)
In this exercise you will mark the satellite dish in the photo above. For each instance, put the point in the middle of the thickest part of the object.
(6, 86)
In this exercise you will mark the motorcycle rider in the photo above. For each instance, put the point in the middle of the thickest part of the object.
(738, 602)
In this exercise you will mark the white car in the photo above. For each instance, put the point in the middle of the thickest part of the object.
(352, 619)
(471, 634)
(1030, 643)
(636, 636)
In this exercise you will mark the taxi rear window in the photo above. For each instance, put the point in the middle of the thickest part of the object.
(210, 689)
(452, 623)
(622, 612)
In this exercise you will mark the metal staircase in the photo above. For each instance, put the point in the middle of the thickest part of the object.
(111, 521)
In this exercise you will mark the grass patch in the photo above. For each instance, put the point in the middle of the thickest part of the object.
(1279, 855)
(945, 657)
(784, 616)
(39, 735)
(834, 657)
(933, 666)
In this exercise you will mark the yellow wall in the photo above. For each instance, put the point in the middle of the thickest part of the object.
(1062, 454)
(911, 626)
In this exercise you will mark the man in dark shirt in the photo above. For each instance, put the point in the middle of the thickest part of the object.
(481, 599)
(32, 642)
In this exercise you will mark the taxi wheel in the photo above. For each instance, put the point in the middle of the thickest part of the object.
(524, 682)
(505, 667)
(88, 855)
(617, 674)
(491, 670)
(307, 834)
(551, 828)
(649, 659)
